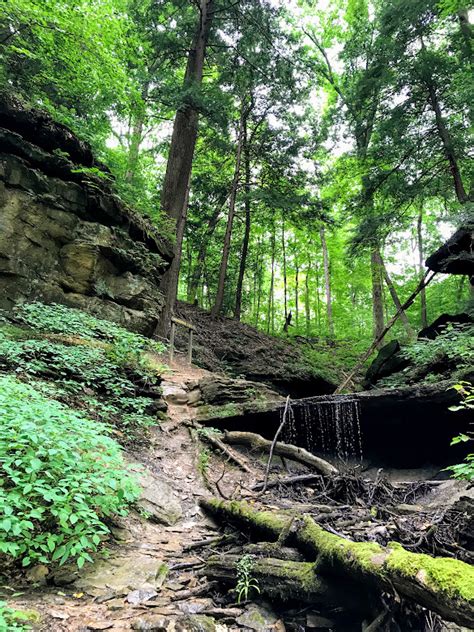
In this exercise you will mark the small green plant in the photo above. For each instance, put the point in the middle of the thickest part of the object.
(203, 461)
(464, 470)
(209, 431)
(61, 475)
(13, 620)
(245, 580)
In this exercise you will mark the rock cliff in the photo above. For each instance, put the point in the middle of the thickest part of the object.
(65, 236)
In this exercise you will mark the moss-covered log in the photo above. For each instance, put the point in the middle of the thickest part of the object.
(292, 452)
(443, 585)
(287, 580)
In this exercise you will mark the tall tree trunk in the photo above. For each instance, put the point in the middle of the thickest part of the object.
(297, 289)
(327, 282)
(216, 310)
(307, 305)
(393, 293)
(259, 283)
(136, 137)
(271, 311)
(421, 264)
(175, 190)
(248, 222)
(377, 293)
(447, 142)
(201, 256)
(318, 300)
(285, 280)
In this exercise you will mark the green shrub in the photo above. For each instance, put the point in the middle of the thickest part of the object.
(61, 475)
(68, 321)
(464, 470)
(12, 620)
(453, 349)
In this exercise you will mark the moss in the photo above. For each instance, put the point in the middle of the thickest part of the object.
(219, 412)
(452, 577)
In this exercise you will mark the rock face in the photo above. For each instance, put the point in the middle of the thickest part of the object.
(456, 256)
(65, 237)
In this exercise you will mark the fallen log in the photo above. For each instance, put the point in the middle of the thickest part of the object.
(286, 450)
(443, 585)
(285, 580)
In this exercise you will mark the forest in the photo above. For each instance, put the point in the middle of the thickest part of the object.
(236, 315)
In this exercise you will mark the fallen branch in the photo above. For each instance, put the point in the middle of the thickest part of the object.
(213, 440)
(290, 480)
(275, 438)
(423, 283)
(300, 455)
(443, 585)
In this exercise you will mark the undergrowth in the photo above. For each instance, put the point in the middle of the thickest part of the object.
(450, 353)
(88, 363)
(61, 476)
(12, 620)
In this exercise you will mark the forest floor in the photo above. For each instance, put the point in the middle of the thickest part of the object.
(151, 577)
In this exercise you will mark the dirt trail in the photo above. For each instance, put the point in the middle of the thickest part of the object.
(148, 567)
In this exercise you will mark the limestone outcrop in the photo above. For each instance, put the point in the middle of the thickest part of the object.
(65, 236)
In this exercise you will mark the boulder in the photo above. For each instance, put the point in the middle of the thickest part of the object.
(456, 256)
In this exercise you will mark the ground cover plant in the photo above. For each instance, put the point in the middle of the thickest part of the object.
(62, 475)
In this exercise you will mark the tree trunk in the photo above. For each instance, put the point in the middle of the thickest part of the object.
(201, 256)
(442, 585)
(285, 281)
(216, 310)
(447, 143)
(136, 136)
(270, 314)
(307, 305)
(297, 289)
(421, 265)
(175, 190)
(282, 579)
(394, 295)
(248, 220)
(327, 282)
(259, 272)
(377, 293)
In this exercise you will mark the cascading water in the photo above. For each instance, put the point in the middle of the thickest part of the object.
(326, 425)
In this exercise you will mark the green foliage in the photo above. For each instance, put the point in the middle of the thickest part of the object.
(204, 457)
(60, 319)
(12, 620)
(62, 475)
(245, 581)
(452, 350)
(464, 470)
(95, 364)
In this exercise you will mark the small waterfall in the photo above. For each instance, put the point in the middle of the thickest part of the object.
(326, 425)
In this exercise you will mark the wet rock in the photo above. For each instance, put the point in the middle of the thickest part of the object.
(121, 575)
(456, 256)
(140, 596)
(37, 574)
(158, 499)
(314, 621)
(197, 623)
(195, 607)
(149, 623)
(261, 619)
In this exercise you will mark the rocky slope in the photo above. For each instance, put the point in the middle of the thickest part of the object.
(65, 237)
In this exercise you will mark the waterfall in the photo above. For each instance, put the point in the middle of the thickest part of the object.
(326, 425)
